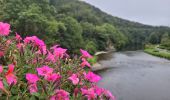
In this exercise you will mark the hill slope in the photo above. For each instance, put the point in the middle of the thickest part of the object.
(137, 33)
(75, 24)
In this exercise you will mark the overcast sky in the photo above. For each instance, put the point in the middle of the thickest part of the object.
(152, 12)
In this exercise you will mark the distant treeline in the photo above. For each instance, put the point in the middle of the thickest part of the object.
(75, 24)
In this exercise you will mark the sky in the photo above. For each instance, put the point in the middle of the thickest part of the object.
(151, 12)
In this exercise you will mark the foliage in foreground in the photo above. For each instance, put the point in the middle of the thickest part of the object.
(29, 70)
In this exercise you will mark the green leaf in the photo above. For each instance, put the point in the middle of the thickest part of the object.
(36, 94)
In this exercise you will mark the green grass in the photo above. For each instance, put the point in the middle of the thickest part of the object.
(158, 53)
(164, 47)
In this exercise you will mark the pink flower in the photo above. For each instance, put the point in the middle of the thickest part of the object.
(43, 49)
(50, 57)
(85, 54)
(20, 46)
(85, 63)
(98, 90)
(59, 52)
(1, 53)
(33, 88)
(10, 68)
(52, 77)
(18, 37)
(36, 42)
(8, 42)
(60, 95)
(92, 77)
(1, 85)
(76, 91)
(54, 47)
(10, 77)
(32, 78)
(89, 93)
(1, 69)
(28, 40)
(74, 79)
(53, 97)
(42, 71)
(109, 95)
(4, 29)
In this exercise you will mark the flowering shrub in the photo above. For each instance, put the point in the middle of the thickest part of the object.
(31, 71)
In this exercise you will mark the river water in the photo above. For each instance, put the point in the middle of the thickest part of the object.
(135, 75)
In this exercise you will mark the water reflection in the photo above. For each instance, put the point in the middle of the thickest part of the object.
(135, 75)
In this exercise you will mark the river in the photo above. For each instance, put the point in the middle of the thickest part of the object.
(135, 75)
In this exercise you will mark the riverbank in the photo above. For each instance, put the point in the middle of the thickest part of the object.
(156, 51)
(95, 60)
(96, 65)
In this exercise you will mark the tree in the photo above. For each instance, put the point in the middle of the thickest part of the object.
(88, 30)
(153, 38)
(67, 21)
(91, 46)
(110, 33)
(165, 40)
(28, 16)
(72, 37)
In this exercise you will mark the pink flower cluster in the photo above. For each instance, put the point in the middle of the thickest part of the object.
(60, 95)
(32, 82)
(85, 54)
(36, 42)
(74, 79)
(48, 72)
(92, 77)
(10, 77)
(4, 29)
(95, 91)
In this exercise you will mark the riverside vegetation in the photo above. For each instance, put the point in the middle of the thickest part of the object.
(161, 48)
(67, 21)
(157, 50)
(31, 71)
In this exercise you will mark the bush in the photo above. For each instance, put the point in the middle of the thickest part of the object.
(155, 50)
(30, 71)
(93, 60)
(91, 46)
(159, 54)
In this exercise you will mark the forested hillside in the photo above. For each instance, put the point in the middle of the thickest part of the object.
(75, 24)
